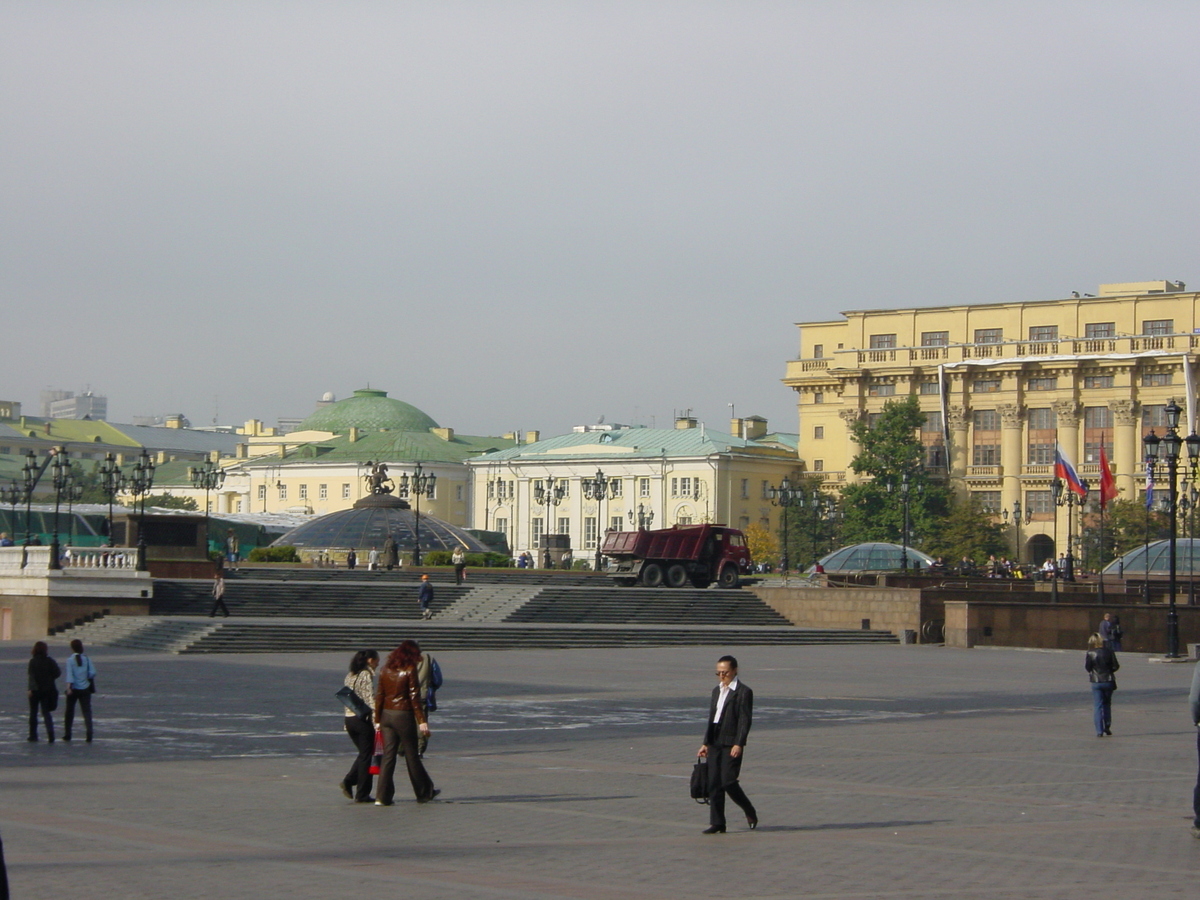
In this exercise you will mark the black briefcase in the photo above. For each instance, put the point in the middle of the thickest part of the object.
(700, 780)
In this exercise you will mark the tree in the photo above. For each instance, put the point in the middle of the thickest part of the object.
(889, 450)
(762, 544)
(166, 501)
(813, 520)
(967, 530)
(1126, 526)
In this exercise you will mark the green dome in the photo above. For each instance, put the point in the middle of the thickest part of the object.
(370, 411)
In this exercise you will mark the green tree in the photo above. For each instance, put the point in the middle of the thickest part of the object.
(967, 530)
(813, 522)
(889, 450)
(1126, 525)
(165, 501)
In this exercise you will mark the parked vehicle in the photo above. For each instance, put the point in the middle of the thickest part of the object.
(676, 557)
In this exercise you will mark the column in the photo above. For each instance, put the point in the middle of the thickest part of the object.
(1012, 453)
(1067, 414)
(1127, 455)
(959, 451)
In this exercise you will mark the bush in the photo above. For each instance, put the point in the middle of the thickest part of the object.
(274, 554)
(436, 558)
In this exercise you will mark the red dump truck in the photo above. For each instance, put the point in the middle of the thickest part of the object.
(686, 554)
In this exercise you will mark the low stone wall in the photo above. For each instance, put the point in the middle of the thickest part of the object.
(891, 609)
(1063, 626)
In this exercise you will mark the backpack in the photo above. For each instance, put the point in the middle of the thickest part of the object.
(435, 682)
(1116, 633)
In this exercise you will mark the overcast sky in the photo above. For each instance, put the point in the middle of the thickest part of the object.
(529, 215)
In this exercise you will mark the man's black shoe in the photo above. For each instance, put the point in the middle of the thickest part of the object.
(714, 829)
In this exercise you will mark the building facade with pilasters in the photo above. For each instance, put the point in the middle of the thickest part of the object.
(1000, 384)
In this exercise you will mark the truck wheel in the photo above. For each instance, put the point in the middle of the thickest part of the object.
(729, 577)
(677, 576)
(652, 575)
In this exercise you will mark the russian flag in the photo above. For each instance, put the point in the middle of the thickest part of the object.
(1064, 470)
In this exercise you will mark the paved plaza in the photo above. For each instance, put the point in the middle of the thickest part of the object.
(878, 772)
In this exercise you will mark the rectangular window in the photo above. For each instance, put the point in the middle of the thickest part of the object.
(1095, 417)
(745, 488)
(589, 532)
(881, 390)
(616, 488)
(818, 397)
(1097, 430)
(818, 351)
(616, 523)
(345, 492)
(1042, 419)
(536, 527)
(766, 490)
(1039, 502)
(989, 501)
(262, 492)
(643, 487)
(239, 506)
(322, 492)
(501, 525)
(1043, 332)
(818, 432)
(935, 338)
(1091, 382)
(564, 525)
(1096, 330)
(1158, 326)
(985, 385)
(684, 520)
(1041, 453)
(743, 522)
(985, 455)
(986, 420)
(282, 491)
(873, 419)
(458, 492)
(674, 487)
(1042, 384)
(1156, 379)
(930, 387)
(989, 335)
(5, 449)
(883, 341)
(932, 423)
(685, 487)
(304, 492)
(1154, 416)
(818, 465)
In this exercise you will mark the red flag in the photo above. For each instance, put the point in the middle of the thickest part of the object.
(1108, 485)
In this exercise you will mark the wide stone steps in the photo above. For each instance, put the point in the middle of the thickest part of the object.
(187, 635)
(475, 575)
(648, 606)
(182, 597)
(488, 603)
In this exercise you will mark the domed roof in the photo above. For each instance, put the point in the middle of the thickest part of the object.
(369, 410)
(369, 526)
(874, 556)
(1187, 559)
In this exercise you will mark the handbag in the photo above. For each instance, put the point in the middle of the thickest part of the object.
(52, 704)
(353, 702)
(91, 688)
(700, 780)
(377, 759)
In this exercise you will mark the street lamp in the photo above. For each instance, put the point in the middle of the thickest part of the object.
(1016, 520)
(12, 495)
(1167, 448)
(597, 489)
(112, 482)
(906, 489)
(211, 477)
(417, 485)
(140, 484)
(785, 496)
(548, 493)
(31, 473)
(60, 473)
(823, 509)
(643, 518)
(74, 495)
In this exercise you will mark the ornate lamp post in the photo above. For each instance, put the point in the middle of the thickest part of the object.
(112, 482)
(140, 484)
(74, 495)
(643, 518)
(785, 496)
(12, 495)
(549, 493)
(1016, 520)
(597, 489)
(417, 485)
(31, 473)
(1168, 449)
(1192, 442)
(211, 477)
(906, 489)
(823, 508)
(60, 476)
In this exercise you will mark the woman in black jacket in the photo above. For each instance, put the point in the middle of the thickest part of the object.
(43, 692)
(1101, 665)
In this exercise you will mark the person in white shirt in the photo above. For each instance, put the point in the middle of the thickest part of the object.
(729, 716)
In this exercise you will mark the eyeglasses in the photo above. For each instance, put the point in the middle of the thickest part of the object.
(724, 674)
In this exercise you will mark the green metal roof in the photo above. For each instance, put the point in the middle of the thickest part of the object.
(636, 443)
(370, 410)
(386, 446)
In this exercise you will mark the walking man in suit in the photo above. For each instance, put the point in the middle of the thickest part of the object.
(724, 741)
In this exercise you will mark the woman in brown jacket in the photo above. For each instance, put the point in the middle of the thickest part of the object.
(401, 715)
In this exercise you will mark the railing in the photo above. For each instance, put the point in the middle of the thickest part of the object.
(1154, 342)
(100, 558)
(990, 472)
(831, 477)
(1095, 345)
(1037, 470)
(928, 353)
(876, 356)
(813, 365)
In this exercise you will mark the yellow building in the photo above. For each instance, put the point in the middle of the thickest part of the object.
(1003, 382)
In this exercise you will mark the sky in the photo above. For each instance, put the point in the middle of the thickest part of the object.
(520, 215)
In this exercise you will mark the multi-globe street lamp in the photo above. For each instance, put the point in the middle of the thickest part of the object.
(140, 484)
(210, 477)
(417, 485)
(1068, 498)
(643, 518)
(60, 478)
(31, 474)
(906, 489)
(785, 496)
(597, 488)
(1017, 521)
(823, 508)
(112, 482)
(548, 493)
(74, 493)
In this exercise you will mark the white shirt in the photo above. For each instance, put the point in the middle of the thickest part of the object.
(722, 697)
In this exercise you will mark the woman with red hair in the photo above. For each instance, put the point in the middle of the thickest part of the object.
(401, 716)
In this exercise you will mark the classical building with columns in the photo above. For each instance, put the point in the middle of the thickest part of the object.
(1000, 384)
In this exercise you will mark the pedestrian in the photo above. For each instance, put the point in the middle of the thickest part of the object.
(373, 559)
(81, 684)
(1101, 665)
(425, 597)
(1117, 633)
(5, 540)
(231, 548)
(218, 592)
(43, 692)
(1105, 630)
(729, 714)
(401, 718)
(459, 559)
(361, 725)
(429, 675)
(1194, 703)
(351, 558)
(391, 553)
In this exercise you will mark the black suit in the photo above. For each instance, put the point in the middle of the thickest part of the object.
(720, 737)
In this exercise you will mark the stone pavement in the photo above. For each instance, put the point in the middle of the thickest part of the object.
(878, 771)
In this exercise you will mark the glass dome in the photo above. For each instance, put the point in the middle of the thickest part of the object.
(369, 527)
(872, 557)
(1187, 559)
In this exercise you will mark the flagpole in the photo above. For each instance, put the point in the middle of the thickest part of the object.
(1103, 503)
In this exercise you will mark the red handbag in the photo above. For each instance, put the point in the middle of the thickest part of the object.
(377, 759)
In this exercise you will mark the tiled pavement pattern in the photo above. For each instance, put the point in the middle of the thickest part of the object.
(879, 772)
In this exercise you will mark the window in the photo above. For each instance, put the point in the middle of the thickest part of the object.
(935, 338)
(985, 455)
(1154, 416)
(282, 490)
(989, 501)
(1091, 382)
(818, 351)
(684, 520)
(262, 492)
(304, 492)
(1042, 420)
(589, 532)
(616, 523)
(643, 487)
(883, 341)
(615, 488)
(818, 465)
(1096, 330)
(766, 491)
(1097, 425)
(1042, 435)
(535, 530)
(5, 449)
(986, 420)
(819, 433)
(932, 423)
(322, 492)
(1043, 332)
(819, 397)
(1156, 379)
(881, 390)
(873, 419)
(501, 525)
(1097, 417)
(930, 387)
(1158, 326)
(345, 492)
(743, 522)
(1041, 384)
(1039, 502)
(674, 487)
(745, 488)
(239, 506)
(458, 492)
(564, 525)
(985, 385)
(989, 335)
